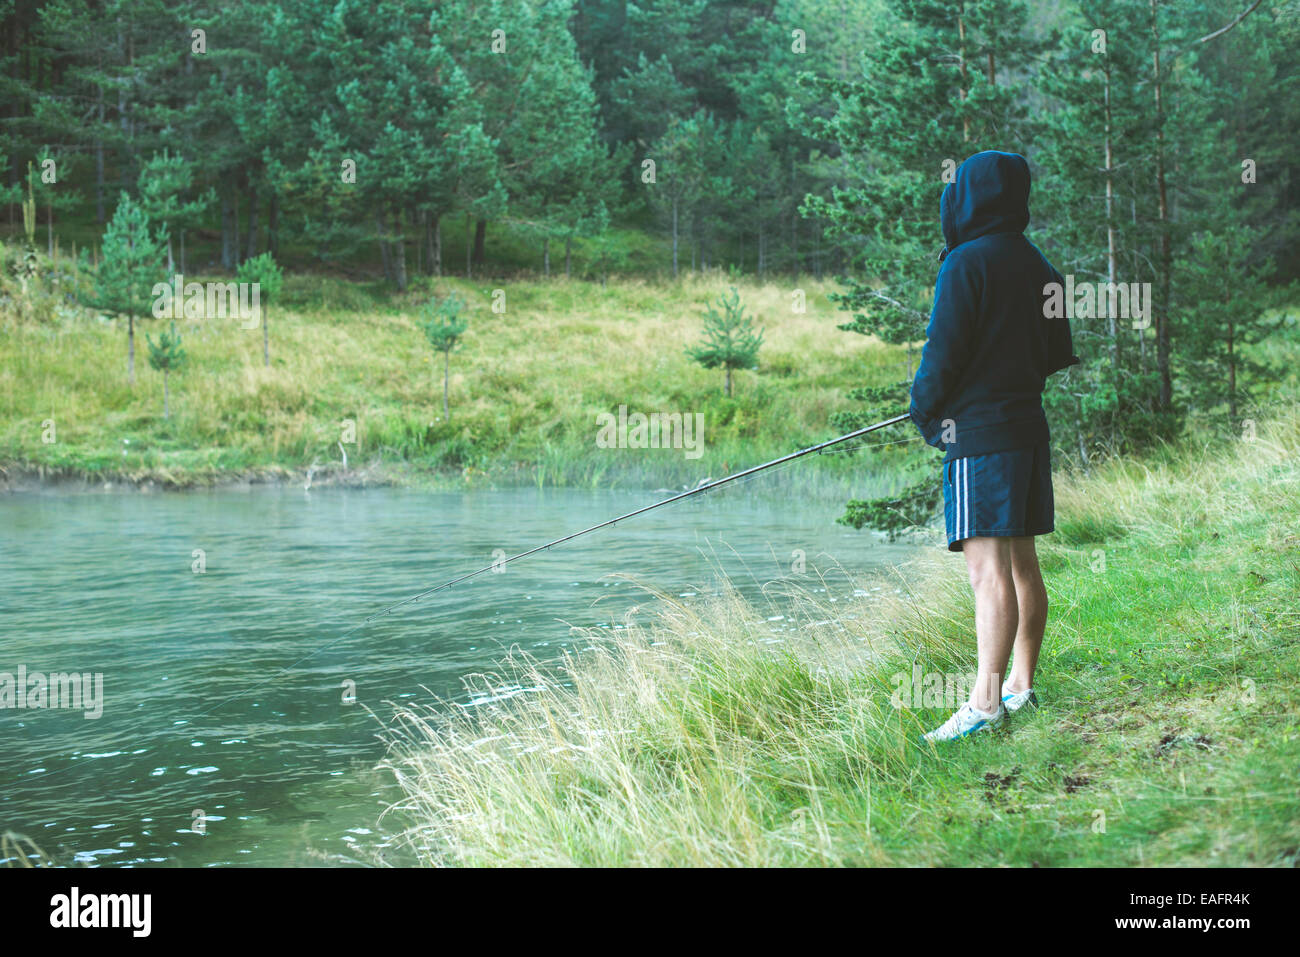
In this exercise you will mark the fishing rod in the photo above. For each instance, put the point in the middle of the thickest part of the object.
(703, 487)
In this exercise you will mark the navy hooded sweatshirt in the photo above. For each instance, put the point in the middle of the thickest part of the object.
(990, 348)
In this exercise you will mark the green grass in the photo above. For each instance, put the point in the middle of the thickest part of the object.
(526, 385)
(1168, 733)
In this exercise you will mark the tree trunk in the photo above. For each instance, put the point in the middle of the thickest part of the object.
(1142, 335)
(1112, 330)
(1232, 377)
(399, 250)
(252, 223)
(674, 237)
(235, 244)
(171, 261)
(435, 256)
(568, 256)
(727, 370)
(383, 244)
(1166, 254)
(480, 242)
(266, 338)
(421, 239)
(965, 85)
(99, 156)
(130, 349)
(546, 255)
(794, 226)
(469, 249)
(1078, 430)
(121, 89)
(446, 374)
(273, 227)
(227, 230)
(182, 252)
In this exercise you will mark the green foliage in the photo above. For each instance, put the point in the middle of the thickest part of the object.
(912, 508)
(878, 402)
(166, 354)
(131, 261)
(264, 271)
(1227, 302)
(442, 324)
(443, 327)
(730, 339)
(166, 180)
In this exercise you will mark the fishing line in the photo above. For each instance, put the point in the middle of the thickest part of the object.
(699, 489)
(874, 445)
(736, 477)
(705, 487)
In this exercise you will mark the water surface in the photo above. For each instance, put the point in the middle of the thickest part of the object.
(224, 690)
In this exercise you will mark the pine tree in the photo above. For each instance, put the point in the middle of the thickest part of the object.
(131, 265)
(1095, 151)
(685, 158)
(166, 356)
(730, 339)
(266, 273)
(166, 180)
(443, 327)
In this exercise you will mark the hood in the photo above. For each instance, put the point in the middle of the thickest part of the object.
(989, 194)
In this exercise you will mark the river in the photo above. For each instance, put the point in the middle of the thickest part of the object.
(240, 722)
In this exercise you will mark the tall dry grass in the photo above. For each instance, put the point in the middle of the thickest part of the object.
(707, 734)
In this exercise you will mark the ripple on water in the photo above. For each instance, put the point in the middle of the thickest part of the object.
(177, 647)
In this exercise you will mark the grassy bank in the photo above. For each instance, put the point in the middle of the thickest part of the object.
(526, 385)
(699, 735)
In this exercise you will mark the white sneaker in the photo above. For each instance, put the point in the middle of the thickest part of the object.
(1013, 701)
(966, 722)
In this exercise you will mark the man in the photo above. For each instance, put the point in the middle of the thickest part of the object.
(978, 396)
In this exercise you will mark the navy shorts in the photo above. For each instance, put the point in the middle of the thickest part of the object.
(1001, 494)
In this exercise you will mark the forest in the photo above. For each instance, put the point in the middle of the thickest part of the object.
(790, 139)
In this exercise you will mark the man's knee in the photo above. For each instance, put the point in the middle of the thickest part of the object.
(1024, 564)
(988, 562)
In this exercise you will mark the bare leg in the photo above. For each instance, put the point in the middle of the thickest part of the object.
(988, 560)
(1031, 597)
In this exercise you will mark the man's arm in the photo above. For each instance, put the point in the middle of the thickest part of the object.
(948, 337)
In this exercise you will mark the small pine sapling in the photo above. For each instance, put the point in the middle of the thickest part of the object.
(443, 327)
(166, 356)
(266, 273)
(730, 339)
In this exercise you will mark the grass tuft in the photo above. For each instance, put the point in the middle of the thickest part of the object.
(703, 734)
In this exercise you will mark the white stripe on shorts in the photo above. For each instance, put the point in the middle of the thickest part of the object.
(965, 497)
